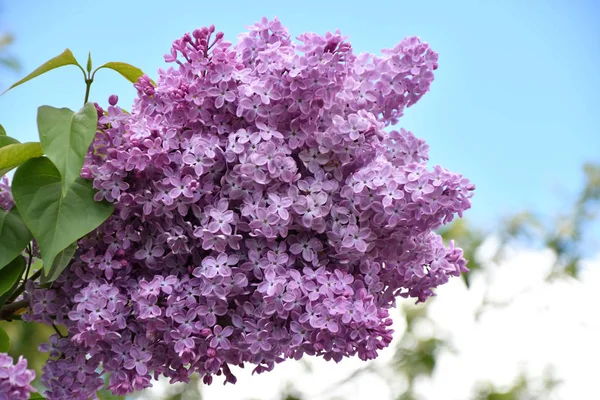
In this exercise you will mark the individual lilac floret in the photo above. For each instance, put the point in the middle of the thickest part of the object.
(15, 379)
(264, 210)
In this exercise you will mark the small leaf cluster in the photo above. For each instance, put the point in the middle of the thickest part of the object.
(53, 205)
(48, 206)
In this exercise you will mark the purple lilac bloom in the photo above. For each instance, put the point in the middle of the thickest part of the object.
(264, 209)
(15, 379)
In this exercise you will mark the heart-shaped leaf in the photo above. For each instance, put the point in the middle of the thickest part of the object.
(15, 154)
(14, 236)
(65, 58)
(66, 137)
(55, 221)
(2, 131)
(60, 263)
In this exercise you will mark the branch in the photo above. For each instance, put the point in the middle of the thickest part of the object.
(8, 310)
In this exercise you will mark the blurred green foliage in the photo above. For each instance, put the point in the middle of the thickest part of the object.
(564, 234)
(524, 388)
(6, 59)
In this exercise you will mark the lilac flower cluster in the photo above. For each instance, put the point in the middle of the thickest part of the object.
(15, 380)
(263, 212)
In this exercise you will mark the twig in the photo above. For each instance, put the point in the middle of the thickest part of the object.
(60, 335)
(21, 288)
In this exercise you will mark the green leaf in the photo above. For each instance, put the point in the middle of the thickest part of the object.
(36, 396)
(60, 263)
(88, 66)
(14, 236)
(6, 140)
(65, 58)
(55, 221)
(66, 137)
(4, 341)
(11, 274)
(15, 154)
(128, 71)
(2, 131)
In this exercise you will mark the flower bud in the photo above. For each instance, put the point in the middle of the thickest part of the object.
(99, 110)
(205, 332)
(197, 33)
(113, 99)
(85, 173)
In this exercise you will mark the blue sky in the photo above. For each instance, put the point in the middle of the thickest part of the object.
(514, 106)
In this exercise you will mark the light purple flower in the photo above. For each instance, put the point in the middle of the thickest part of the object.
(357, 238)
(220, 337)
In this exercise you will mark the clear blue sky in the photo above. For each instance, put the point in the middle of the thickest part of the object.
(515, 105)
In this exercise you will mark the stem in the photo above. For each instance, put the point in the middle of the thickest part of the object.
(82, 70)
(57, 331)
(30, 251)
(88, 86)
